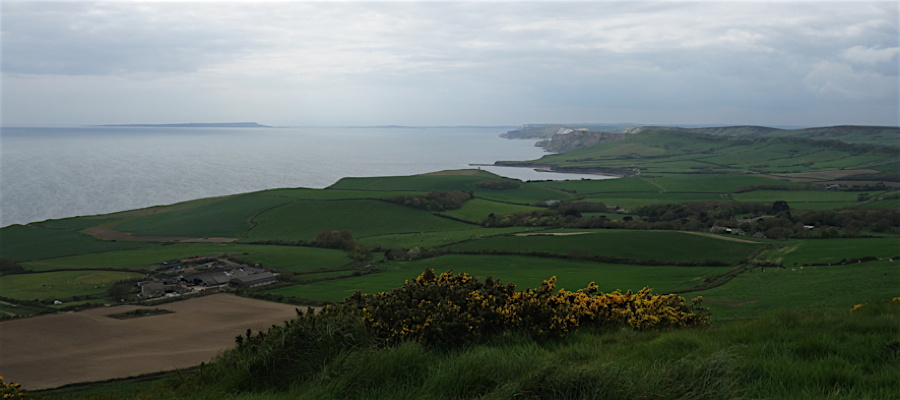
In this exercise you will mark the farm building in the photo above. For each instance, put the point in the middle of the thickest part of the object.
(223, 276)
(730, 231)
(255, 280)
(153, 289)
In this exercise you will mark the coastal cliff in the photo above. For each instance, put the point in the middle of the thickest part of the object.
(568, 140)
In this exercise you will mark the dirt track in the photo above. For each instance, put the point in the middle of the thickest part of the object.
(714, 236)
(107, 233)
(55, 350)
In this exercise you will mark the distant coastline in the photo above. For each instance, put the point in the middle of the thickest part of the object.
(196, 125)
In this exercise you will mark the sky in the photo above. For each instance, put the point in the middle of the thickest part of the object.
(336, 63)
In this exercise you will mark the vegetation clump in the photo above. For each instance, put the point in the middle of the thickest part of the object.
(446, 309)
(435, 201)
(10, 390)
(498, 185)
(441, 311)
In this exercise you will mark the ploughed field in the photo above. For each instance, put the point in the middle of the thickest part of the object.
(54, 350)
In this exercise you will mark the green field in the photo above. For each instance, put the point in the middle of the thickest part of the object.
(523, 271)
(477, 210)
(32, 242)
(816, 251)
(222, 217)
(302, 220)
(433, 239)
(638, 246)
(667, 151)
(50, 286)
(465, 180)
(802, 198)
(803, 288)
(283, 258)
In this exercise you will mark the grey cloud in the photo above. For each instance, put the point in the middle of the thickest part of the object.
(392, 61)
(113, 38)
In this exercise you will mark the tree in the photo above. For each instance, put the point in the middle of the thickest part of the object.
(9, 267)
(360, 252)
(780, 206)
(335, 240)
(120, 291)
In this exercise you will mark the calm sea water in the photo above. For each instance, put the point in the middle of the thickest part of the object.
(50, 173)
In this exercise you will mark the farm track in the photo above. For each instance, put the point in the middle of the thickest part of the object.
(107, 233)
(714, 236)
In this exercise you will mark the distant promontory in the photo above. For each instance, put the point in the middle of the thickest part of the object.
(198, 125)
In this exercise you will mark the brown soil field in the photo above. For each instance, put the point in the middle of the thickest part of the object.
(55, 350)
(107, 233)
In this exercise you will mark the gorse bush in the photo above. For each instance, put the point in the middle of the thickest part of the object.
(9, 390)
(448, 310)
(442, 311)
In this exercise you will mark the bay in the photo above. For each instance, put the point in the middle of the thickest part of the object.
(59, 172)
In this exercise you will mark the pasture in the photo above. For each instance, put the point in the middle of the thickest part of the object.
(801, 199)
(802, 288)
(302, 220)
(224, 217)
(816, 251)
(477, 210)
(32, 242)
(283, 258)
(662, 247)
(465, 180)
(433, 239)
(48, 286)
(523, 271)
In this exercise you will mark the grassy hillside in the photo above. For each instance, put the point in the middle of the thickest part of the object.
(668, 151)
(782, 325)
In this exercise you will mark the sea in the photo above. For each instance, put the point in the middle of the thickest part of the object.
(60, 172)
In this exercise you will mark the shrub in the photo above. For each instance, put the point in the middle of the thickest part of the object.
(434, 201)
(335, 240)
(498, 185)
(10, 390)
(439, 311)
(446, 310)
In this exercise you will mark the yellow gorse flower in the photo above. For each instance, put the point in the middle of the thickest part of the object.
(435, 309)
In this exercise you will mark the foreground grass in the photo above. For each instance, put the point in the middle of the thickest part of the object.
(758, 291)
(834, 353)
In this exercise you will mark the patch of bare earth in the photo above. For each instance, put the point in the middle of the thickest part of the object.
(833, 174)
(863, 183)
(728, 238)
(829, 177)
(107, 233)
(55, 350)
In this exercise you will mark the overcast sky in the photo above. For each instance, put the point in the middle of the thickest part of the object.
(809, 63)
